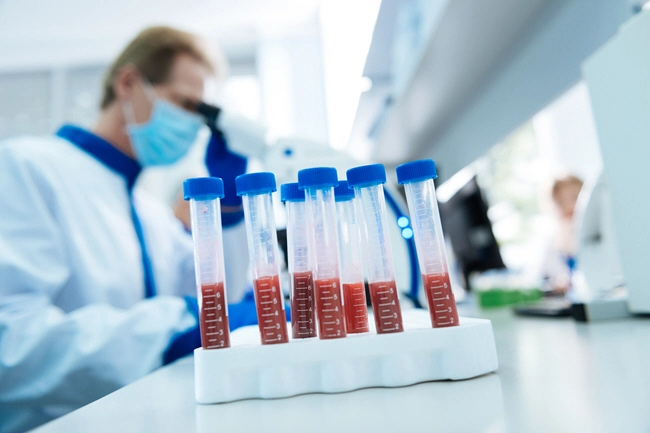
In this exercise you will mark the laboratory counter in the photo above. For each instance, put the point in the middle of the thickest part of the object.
(555, 375)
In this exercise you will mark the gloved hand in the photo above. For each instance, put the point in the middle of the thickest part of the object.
(227, 165)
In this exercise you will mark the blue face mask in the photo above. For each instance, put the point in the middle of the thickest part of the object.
(168, 134)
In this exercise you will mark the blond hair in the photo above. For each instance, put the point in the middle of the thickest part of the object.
(153, 52)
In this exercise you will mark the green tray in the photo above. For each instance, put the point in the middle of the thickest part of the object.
(503, 297)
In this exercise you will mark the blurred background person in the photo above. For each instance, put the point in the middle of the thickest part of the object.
(96, 275)
(560, 258)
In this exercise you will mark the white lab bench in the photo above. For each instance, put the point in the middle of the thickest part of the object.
(554, 375)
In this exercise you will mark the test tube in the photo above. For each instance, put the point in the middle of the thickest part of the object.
(204, 195)
(255, 190)
(417, 178)
(354, 291)
(303, 298)
(367, 182)
(318, 184)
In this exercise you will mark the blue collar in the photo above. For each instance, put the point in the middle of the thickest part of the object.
(103, 151)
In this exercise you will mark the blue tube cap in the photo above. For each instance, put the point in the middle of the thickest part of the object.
(318, 177)
(366, 175)
(343, 191)
(416, 171)
(203, 188)
(291, 192)
(255, 183)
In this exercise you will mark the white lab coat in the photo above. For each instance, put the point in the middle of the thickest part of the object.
(74, 324)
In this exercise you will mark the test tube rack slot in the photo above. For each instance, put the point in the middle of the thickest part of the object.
(419, 354)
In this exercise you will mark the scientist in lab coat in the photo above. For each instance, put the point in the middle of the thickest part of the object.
(93, 272)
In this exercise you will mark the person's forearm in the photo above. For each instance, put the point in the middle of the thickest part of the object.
(48, 356)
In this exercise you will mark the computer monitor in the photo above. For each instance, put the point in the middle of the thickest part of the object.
(465, 222)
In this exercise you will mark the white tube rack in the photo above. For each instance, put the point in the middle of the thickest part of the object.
(419, 354)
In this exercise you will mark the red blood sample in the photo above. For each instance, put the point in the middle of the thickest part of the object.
(213, 318)
(385, 307)
(303, 305)
(329, 307)
(356, 313)
(442, 305)
(270, 314)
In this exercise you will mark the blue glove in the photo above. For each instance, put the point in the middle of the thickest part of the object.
(227, 165)
(184, 343)
(244, 313)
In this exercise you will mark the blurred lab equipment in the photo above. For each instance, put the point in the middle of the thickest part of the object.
(465, 221)
(596, 252)
(597, 284)
(619, 89)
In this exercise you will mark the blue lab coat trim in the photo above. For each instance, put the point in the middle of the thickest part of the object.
(103, 151)
(149, 282)
(226, 165)
(128, 168)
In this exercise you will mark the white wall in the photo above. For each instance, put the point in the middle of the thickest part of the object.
(291, 75)
(566, 135)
